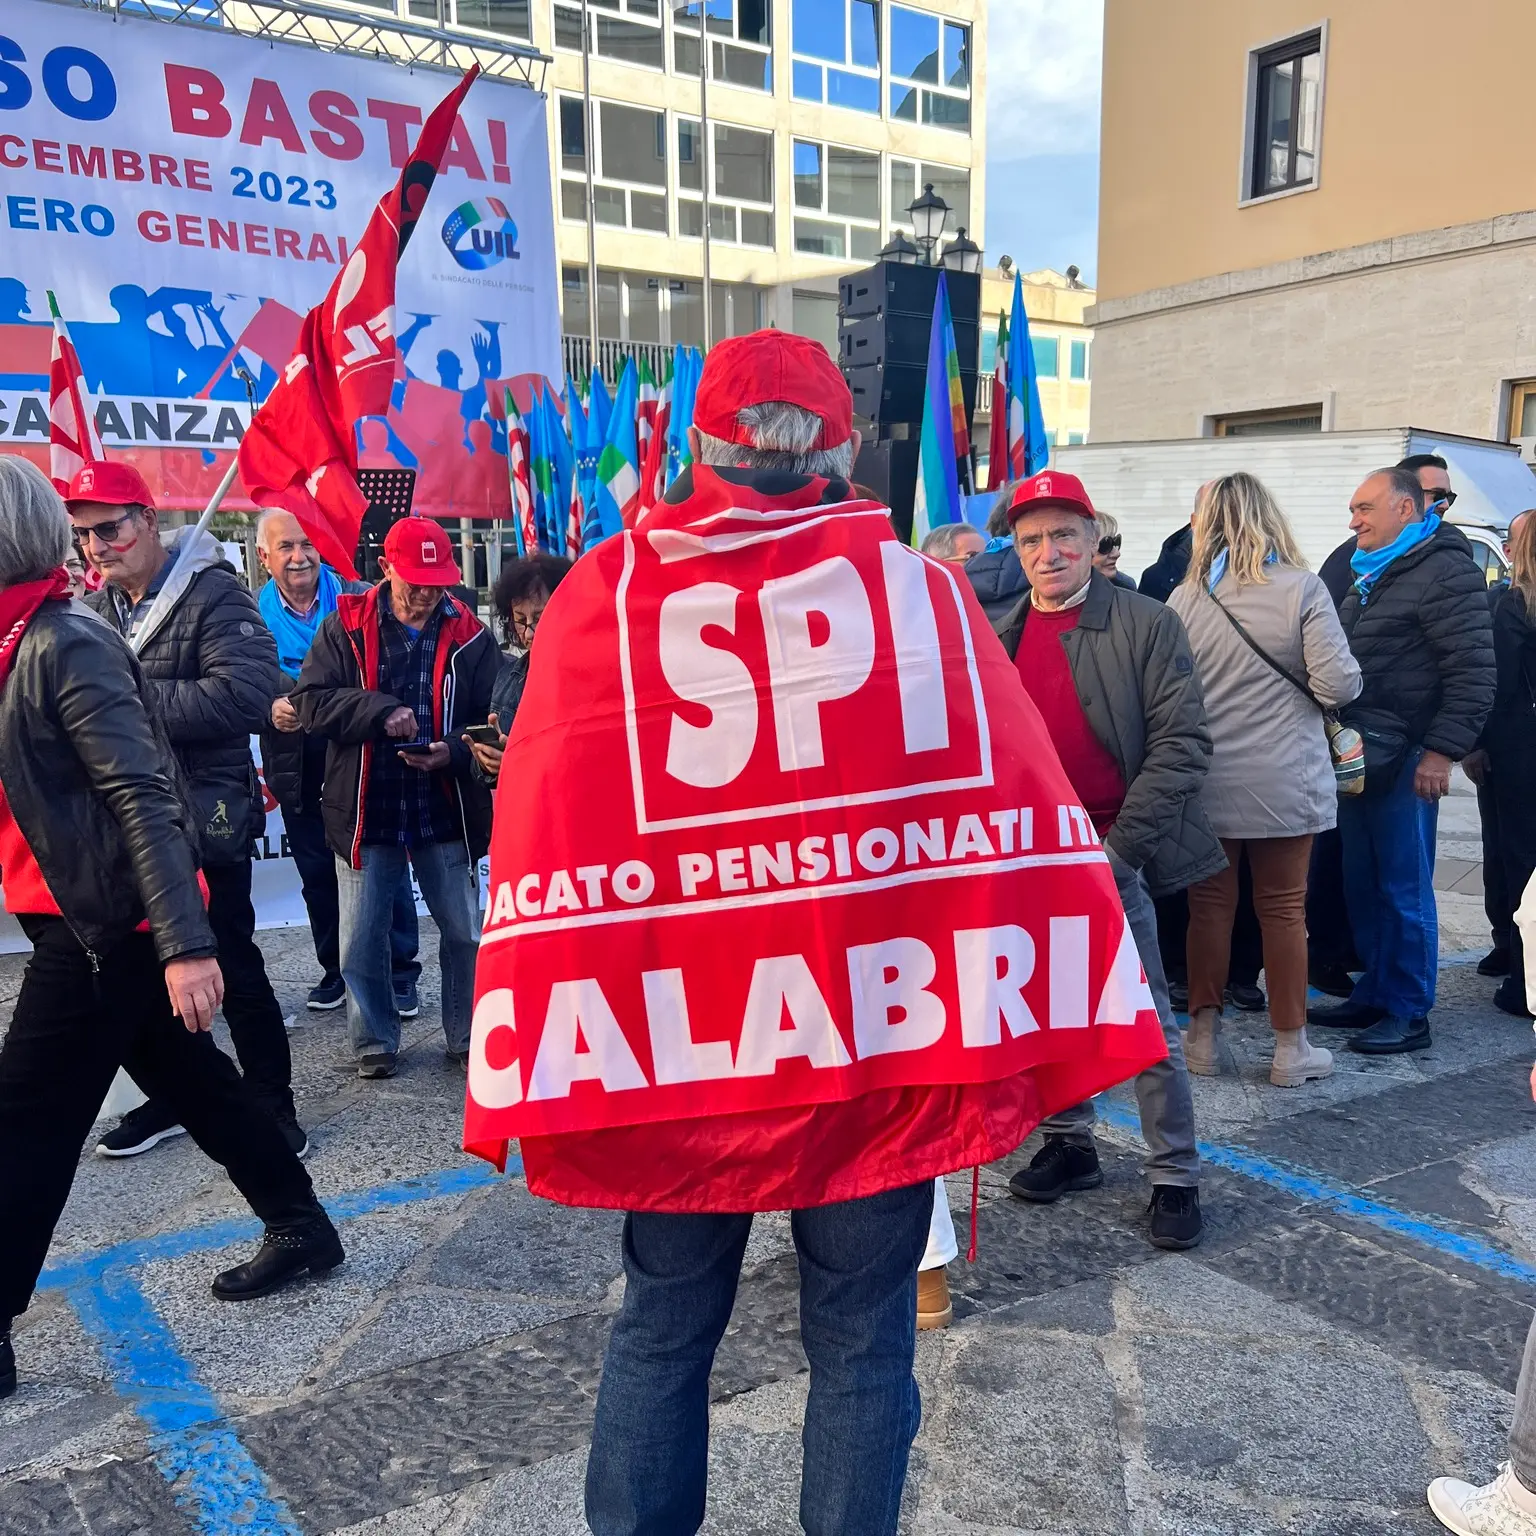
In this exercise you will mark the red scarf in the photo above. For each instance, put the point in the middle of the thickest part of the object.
(18, 605)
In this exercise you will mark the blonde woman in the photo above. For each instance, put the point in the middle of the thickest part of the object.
(1106, 558)
(1272, 657)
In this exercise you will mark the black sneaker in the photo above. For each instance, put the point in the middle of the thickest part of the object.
(1345, 1015)
(293, 1134)
(7, 1363)
(1057, 1167)
(379, 1064)
(331, 993)
(407, 1004)
(1511, 999)
(283, 1257)
(1175, 1216)
(1495, 962)
(1393, 1035)
(1247, 999)
(460, 1059)
(138, 1131)
(1332, 980)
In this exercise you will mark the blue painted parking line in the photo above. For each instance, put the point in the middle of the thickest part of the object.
(1346, 1199)
(214, 1478)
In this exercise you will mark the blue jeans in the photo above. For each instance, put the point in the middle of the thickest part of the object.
(858, 1322)
(1389, 871)
(316, 864)
(450, 888)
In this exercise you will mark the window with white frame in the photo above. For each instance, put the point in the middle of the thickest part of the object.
(741, 203)
(629, 165)
(506, 18)
(930, 69)
(836, 49)
(741, 41)
(837, 201)
(628, 31)
(951, 182)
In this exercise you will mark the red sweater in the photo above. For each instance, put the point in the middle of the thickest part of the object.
(25, 888)
(1047, 674)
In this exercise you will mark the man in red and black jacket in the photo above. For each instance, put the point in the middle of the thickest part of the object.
(391, 681)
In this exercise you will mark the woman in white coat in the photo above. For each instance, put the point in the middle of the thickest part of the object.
(1272, 658)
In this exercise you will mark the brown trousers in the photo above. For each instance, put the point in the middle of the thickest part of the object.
(1279, 867)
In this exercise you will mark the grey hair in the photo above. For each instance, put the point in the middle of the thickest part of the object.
(34, 527)
(1403, 482)
(267, 517)
(783, 437)
(942, 542)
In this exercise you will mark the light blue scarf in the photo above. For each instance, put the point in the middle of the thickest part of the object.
(1368, 564)
(294, 635)
(1219, 566)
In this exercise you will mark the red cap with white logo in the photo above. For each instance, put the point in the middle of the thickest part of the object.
(770, 366)
(110, 482)
(418, 551)
(1050, 488)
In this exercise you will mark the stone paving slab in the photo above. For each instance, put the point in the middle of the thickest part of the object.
(1302, 1371)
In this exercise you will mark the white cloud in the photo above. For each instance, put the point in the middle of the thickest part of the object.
(1044, 61)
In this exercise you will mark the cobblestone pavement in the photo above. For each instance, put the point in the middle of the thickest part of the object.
(1350, 1328)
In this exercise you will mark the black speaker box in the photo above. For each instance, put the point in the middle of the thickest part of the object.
(898, 338)
(892, 287)
(887, 393)
(889, 469)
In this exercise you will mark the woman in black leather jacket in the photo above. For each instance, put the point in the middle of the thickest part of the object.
(98, 864)
(522, 592)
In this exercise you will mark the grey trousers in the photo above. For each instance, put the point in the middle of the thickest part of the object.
(1522, 1432)
(1162, 1091)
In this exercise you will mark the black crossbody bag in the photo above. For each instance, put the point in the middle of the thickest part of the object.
(1348, 749)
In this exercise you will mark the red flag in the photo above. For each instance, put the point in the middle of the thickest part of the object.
(653, 468)
(72, 439)
(997, 438)
(300, 451)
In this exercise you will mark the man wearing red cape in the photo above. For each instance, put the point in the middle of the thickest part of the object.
(807, 914)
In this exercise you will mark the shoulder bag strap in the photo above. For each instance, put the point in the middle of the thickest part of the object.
(1263, 655)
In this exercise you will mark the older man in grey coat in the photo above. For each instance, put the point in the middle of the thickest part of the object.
(1113, 678)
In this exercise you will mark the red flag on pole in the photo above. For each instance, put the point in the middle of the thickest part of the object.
(300, 451)
(997, 441)
(72, 439)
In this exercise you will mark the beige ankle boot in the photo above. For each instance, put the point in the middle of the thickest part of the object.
(933, 1305)
(1297, 1060)
(1202, 1042)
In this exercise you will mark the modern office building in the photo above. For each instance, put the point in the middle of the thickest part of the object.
(1315, 217)
(827, 118)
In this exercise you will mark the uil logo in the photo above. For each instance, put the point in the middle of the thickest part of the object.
(480, 234)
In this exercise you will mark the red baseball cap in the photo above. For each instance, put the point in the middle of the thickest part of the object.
(768, 366)
(110, 482)
(1050, 488)
(419, 551)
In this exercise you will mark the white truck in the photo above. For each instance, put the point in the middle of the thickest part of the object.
(1150, 487)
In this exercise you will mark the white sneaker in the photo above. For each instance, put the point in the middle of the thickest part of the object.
(1500, 1508)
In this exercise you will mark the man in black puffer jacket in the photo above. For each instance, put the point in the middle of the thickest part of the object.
(1417, 620)
(211, 668)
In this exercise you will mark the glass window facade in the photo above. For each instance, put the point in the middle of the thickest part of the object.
(1079, 359)
(1047, 357)
(836, 46)
(930, 69)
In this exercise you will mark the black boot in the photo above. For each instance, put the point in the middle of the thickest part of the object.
(305, 1245)
(7, 1362)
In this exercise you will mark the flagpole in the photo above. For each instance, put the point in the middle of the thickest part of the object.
(708, 166)
(591, 150)
(165, 599)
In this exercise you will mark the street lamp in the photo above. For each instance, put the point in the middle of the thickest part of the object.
(898, 248)
(928, 214)
(961, 254)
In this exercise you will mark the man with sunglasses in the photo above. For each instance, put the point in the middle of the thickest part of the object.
(211, 670)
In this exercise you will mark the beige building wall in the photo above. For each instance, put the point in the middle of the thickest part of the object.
(1395, 290)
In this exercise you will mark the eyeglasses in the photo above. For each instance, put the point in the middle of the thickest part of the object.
(1110, 545)
(526, 623)
(1446, 499)
(107, 532)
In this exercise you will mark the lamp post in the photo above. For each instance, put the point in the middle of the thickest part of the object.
(961, 254)
(705, 158)
(929, 213)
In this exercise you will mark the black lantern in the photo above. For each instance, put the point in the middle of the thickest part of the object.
(929, 214)
(898, 248)
(961, 254)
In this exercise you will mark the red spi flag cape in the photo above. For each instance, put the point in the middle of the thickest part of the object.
(300, 451)
(790, 899)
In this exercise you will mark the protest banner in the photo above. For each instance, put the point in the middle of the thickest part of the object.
(189, 194)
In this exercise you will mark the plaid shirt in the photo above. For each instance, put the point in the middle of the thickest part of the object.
(405, 805)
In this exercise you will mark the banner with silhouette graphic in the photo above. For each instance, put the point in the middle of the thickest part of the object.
(189, 195)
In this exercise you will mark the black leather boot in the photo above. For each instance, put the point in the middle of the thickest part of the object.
(7, 1362)
(304, 1246)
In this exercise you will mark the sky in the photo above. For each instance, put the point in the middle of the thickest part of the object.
(1043, 67)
